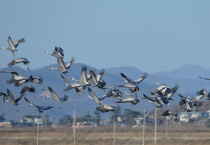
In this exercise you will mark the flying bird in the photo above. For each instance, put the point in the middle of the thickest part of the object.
(37, 80)
(15, 76)
(204, 93)
(57, 53)
(161, 89)
(12, 100)
(40, 109)
(26, 88)
(130, 99)
(157, 102)
(82, 83)
(132, 84)
(204, 78)
(113, 92)
(19, 60)
(56, 97)
(13, 46)
(96, 80)
(102, 107)
(62, 67)
(168, 113)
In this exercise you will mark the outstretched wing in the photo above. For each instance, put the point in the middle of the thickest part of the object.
(128, 80)
(137, 81)
(68, 65)
(95, 98)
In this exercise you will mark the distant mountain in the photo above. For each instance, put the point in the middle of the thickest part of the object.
(187, 72)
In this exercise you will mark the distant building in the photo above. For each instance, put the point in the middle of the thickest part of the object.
(208, 112)
(184, 117)
(5, 124)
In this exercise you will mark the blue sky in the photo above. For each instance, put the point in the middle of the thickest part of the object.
(150, 35)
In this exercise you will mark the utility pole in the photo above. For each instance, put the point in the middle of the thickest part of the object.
(144, 128)
(114, 134)
(166, 127)
(37, 133)
(74, 125)
(155, 126)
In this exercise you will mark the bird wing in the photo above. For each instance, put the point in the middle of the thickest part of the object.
(10, 71)
(4, 96)
(54, 94)
(28, 101)
(26, 88)
(65, 98)
(202, 92)
(71, 86)
(68, 65)
(127, 93)
(204, 78)
(93, 79)
(127, 79)
(9, 93)
(11, 42)
(83, 76)
(61, 65)
(98, 78)
(18, 42)
(137, 81)
(182, 96)
(197, 98)
(95, 98)
(145, 96)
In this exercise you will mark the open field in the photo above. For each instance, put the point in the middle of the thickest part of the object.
(104, 136)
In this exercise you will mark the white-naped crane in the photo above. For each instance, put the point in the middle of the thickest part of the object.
(37, 80)
(168, 113)
(155, 100)
(40, 109)
(161, 89)
(132, 84)
(17, 79)
(56, 97)
(58, 52)
(96, 80)
(15, 76)
(5, 97)
(132, 99)
(19, 60)
(168, 94)
(29, 89)
(204, 93)
(102, 107)
(204, 78)
(191, 104)
(113, 92)
(12, 99)
(82, 83)
(62, 67)
(13, 45)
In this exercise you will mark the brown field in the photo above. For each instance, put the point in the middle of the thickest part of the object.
(104, 136)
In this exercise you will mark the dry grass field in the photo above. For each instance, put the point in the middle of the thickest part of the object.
(104, 136)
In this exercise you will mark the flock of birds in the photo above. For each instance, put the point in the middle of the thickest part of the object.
(159, 97)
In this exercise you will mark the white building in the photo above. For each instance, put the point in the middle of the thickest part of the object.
(184, 117)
